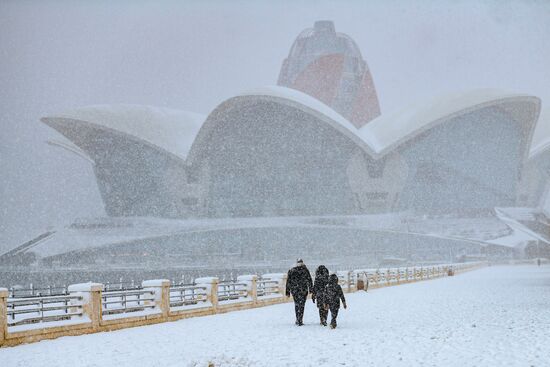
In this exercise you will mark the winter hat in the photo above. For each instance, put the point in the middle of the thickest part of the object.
(299, 262)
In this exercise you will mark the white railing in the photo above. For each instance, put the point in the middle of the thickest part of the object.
(41, 310)
(232, 290)
(124, 302)
(267, 287)
(186, 295)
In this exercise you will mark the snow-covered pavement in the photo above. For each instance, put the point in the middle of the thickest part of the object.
(497, 316)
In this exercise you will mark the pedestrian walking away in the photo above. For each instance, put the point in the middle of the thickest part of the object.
(299, 284)
(334, 294)
(319, 293)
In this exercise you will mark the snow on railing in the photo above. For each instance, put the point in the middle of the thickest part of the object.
(89, 307)
(41, 310)
(267, 287)
(187, 294)
(232, 290)
(127, 301)
(19, 292)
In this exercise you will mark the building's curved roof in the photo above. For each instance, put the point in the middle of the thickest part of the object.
(171, 130)
(386, 132)
(391, 130)
(284, 96)
(542, 147)
(541, 139)
(181, 134)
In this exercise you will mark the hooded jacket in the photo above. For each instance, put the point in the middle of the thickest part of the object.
(334, 293)
(319, 287)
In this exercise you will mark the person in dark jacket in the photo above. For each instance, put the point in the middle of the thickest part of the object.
(319, 292)
(334, 294)
(299, 284)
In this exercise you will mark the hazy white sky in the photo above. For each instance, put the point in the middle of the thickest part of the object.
(192, 55)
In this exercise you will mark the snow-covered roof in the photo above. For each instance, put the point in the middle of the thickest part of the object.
(539, 146)
(541, 136)
(176, 131)
(284, 96)
(168, 129)
(383, 134)
(390, 130)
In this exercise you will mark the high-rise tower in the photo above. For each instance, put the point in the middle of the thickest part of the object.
(328, 66)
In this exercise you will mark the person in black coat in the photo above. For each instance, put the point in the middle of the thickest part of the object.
(319, 293)
(334, 294)
(299, 284)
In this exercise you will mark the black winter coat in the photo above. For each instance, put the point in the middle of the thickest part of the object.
(334, 293)
(299, 281)
(319, 287)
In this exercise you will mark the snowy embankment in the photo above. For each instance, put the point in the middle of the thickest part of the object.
(497, 316)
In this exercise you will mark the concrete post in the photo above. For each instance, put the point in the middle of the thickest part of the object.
(251, 282)
(211, 284)
(91, 301)
(161, 290)
(344, 276)
(359, 280)
(3, 315)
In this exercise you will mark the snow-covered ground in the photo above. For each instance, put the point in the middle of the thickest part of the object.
(497, 316)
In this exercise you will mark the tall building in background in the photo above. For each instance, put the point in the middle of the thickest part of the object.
(328, 66)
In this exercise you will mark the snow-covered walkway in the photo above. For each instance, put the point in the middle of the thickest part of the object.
(497, 316)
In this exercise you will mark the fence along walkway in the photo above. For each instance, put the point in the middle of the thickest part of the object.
(88, 308)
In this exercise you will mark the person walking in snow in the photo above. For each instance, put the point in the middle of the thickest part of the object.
(319, 293)
(299, 284)
(334, 294)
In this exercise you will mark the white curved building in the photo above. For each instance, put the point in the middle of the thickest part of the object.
(138, 153)
(276, 151)
(444, 156)
(305, 172)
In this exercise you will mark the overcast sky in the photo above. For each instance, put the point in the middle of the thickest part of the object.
(192, 55)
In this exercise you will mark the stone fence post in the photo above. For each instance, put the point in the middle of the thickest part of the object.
(91, 301)
(345, 274)
(211, 284)
(161, 290)
(3, 315)
(251, 282)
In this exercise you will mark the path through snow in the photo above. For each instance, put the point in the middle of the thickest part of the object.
(497, 316)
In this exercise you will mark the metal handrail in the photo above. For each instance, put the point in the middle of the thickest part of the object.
(34, 320)
(142, 301)
(231, 291)
(39, 300)
(266, 287)
(42, 305)
(187, 295)
(126, 293)
(37, 292)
